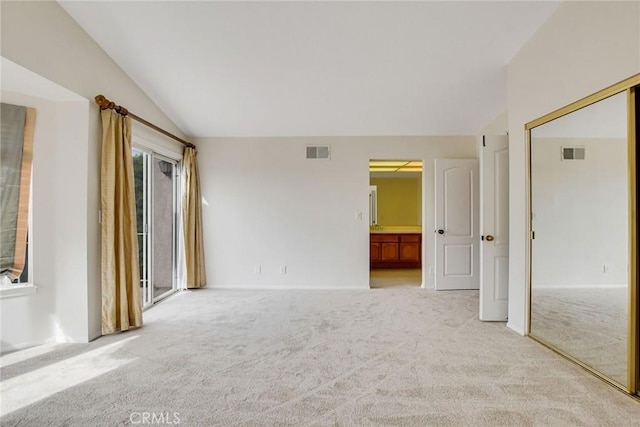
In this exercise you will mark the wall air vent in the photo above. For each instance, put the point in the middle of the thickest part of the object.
(322, 152)
(573, 153)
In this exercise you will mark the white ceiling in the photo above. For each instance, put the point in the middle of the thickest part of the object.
(317, 68)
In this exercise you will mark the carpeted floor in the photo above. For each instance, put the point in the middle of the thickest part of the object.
(385, 357)
(392, 278)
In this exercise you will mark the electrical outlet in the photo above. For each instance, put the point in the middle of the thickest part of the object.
(257, 269)
(606, 268)
(283, 269)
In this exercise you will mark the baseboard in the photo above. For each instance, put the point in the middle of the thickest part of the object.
(280, 288)
(24, 345)
(71, 340)
(51, 340)
(516, 329)
(95, 335)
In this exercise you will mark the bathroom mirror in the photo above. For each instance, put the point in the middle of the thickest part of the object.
(580, 244)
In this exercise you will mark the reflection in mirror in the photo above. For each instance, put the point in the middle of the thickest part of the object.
(579, 256)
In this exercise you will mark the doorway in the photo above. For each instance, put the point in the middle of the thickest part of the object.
(395, 223)
(156, 191)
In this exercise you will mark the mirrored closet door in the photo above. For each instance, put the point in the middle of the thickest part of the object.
(583, 282)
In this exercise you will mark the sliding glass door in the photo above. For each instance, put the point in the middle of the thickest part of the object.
(156, 190)
(164, 178)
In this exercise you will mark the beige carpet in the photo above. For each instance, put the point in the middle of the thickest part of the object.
(383, 357)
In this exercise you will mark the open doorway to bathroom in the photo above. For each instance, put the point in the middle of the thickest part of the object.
(395, 223)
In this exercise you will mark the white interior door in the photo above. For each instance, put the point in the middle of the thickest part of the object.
(456, 224)
(494, 228)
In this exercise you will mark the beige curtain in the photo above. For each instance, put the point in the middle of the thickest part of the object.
(121, 303)
(192, 220)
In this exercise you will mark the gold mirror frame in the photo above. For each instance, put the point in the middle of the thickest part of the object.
(629, 86)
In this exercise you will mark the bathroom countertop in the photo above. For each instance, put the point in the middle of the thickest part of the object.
(397, 229)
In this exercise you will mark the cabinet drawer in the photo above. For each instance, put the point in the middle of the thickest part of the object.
(384, 237)
(410, 238)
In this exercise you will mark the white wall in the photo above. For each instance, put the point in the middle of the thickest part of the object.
(582, 48)
(497, 126)
(580, 213)
(265, 204)
(43, 38)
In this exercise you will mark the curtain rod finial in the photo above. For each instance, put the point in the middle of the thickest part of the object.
(105, 104)
(102, 102)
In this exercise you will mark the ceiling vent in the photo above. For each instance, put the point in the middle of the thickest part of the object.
(572, 153)
(318, 152)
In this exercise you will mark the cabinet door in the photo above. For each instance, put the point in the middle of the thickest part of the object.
(410, 251)
(389, 251)
(374, 251)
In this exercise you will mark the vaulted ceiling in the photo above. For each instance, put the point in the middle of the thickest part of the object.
(317, 68)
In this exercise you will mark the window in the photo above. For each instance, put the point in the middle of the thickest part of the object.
(16, 154)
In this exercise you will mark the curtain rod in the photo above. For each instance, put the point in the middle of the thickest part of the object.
(105, 104)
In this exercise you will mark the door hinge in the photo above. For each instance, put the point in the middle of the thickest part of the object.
(100, 216)
(484, 144)
(533, 235)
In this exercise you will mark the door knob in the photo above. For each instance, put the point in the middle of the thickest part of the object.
(489, 238)
(440, 231)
